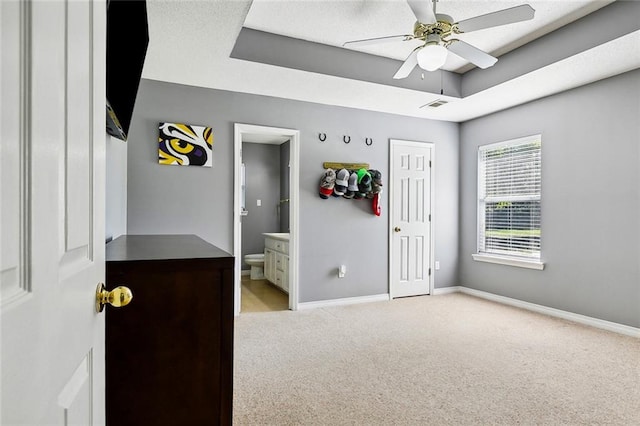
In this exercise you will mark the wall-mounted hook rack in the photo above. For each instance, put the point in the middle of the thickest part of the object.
(348, 166)
(368, 141)
(322, 137)
(346, 139)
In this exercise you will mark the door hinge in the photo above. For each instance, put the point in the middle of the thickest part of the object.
(429, 217)
(429, 163)
(429, 271)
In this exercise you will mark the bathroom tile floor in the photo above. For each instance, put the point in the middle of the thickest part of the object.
(262, 296)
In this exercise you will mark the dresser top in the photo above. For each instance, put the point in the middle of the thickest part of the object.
(161, 247)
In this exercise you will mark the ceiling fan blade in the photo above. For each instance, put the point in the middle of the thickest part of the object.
(423, 9)
(377, 40)
(408, 65)
(472, 54)
(502, 17)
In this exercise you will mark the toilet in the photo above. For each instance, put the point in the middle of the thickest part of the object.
(256, 261)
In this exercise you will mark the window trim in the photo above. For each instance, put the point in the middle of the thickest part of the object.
(502, 259)
(509, 260)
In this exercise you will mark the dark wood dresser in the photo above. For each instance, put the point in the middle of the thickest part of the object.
(169, 353)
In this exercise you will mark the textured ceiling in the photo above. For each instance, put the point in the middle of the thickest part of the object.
(191, 43)
(335, 22)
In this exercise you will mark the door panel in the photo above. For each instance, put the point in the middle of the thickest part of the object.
(75, 398)
(13, 281)
(410, 218)
(78, 142)
(52, 215)
(76, 198)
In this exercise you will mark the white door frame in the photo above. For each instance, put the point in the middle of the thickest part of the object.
(294, 206)
(399, 142)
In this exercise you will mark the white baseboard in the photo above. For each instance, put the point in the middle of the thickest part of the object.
(581, 319)
(446, 290)
(345, 301)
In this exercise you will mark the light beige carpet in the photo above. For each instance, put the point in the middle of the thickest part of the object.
(434, 360)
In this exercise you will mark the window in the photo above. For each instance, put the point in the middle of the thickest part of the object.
(509, 180)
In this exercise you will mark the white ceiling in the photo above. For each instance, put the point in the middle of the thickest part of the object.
(343, 21)
(190, 43)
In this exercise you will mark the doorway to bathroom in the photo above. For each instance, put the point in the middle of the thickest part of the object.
(265, 218)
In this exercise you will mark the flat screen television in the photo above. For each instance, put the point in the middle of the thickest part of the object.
(127, 41)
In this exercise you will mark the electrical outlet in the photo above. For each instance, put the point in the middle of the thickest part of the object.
(258, 203)
(437, 265)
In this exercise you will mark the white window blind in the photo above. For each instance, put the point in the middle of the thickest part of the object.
(509, 180)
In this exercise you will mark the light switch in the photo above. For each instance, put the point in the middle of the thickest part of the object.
(342, 270)
(258, 203)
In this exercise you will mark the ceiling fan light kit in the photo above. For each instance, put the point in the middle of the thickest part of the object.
(434, 29)
(432, 56)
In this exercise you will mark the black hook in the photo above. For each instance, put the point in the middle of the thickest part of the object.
(322, 137)
(346, 139)
(368, 141)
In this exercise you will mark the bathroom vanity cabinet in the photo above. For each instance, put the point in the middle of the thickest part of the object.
(276, 259)
(169, 353)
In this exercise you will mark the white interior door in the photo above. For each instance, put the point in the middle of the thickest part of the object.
(52, 213)
(410, 219)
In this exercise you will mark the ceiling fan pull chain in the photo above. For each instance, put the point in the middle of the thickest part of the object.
(346, 139)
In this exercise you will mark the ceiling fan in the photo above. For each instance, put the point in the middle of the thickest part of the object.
(435, 30)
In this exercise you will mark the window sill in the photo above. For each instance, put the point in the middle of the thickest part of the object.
(511, 261)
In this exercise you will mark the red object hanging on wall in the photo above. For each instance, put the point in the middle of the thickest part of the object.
(375, 206)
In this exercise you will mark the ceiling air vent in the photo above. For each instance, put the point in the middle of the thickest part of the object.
(435, 104)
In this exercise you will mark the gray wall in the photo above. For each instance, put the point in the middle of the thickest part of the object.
(170, 199)
(590, 201)
(262, 168)
(285, 155)
(116, 188)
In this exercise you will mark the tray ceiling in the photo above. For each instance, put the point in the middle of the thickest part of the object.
(192, 43)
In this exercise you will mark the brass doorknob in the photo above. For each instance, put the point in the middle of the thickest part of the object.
(397, 229)
(118, 297)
